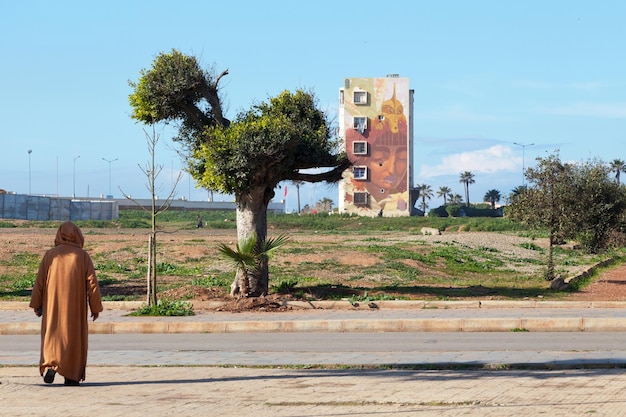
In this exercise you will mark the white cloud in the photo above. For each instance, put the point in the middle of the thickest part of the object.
(494, 159)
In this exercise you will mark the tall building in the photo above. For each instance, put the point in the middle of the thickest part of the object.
(376, 124)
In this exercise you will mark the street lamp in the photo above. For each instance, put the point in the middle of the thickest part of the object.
(29, 152)
(109, 161)
(74, 179)
(523, 157)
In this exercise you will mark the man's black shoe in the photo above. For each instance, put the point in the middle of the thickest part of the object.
(48, 378)
(71, 383)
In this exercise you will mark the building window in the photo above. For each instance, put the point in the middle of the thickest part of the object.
(360, 123)
(359, 97)
(341, 97)
(360, 199)
(359, 147)
(359, 172)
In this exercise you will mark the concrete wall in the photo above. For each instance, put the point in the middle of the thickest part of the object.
(32, 207)
(125, 204)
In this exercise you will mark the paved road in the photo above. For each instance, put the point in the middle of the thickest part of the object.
(476, 349)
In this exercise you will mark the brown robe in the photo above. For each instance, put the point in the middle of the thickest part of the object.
(66, 283)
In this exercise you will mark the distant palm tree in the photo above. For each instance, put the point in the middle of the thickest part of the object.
(325, 204)
(618, 166)
(493, 196)
(298, 183)
(456, 199)
(517, 191)
(444, 192)
(426, 192)
(466, 178)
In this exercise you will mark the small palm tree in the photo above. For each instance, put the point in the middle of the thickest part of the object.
(516, 192)
(325, 204)
(456, 199)
(248, 257)
(466, 178)
(519, 190)
(493, 196)
(426, 192)
(444, 192)
(618, 166)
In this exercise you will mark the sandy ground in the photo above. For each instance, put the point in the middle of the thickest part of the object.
(179, 246)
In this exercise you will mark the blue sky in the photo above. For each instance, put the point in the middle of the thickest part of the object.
(486, 75)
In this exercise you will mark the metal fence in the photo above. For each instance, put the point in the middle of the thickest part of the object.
(30, 207)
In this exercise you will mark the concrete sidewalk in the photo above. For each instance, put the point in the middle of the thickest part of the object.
(262, 392)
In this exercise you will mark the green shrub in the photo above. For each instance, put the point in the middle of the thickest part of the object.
(286, 286)
(454, 210)
(165, 308)
(438, 212)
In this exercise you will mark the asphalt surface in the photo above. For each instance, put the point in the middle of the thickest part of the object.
(182, 382)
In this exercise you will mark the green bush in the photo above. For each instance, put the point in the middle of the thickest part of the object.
(454, 210)
(438, 212)
(165, 308)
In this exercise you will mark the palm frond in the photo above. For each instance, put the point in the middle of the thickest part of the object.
(237, 256)
(271, 244)
(248, 244)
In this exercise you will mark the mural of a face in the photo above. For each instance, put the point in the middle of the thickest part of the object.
(388, 158)
(387, 149)
(388, 166)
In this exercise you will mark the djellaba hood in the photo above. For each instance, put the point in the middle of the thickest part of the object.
(69, 234)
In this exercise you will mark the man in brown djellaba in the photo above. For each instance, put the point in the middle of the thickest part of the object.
(66, 284)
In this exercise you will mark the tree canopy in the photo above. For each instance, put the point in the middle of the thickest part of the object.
(177, 89)
(571, 201)
(273, 141)
(493, 196)
(270, 143)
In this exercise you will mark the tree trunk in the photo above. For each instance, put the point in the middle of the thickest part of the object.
(550, 272)
(152, 274)
(252, 218)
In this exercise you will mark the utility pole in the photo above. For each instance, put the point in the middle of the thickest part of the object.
(74, 178)
(523, 159)
(29, 189)
(109, 161)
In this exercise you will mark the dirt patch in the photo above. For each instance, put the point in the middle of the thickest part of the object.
(198, 247)
(610, 285)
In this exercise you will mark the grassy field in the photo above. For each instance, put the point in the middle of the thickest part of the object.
(328, 257)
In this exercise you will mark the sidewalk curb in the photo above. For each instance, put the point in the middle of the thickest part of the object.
(535, 324)
(174, 325)
(374, 305)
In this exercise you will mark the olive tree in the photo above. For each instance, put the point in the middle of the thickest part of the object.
(570, 201)
(274, 141)
(601, 204)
